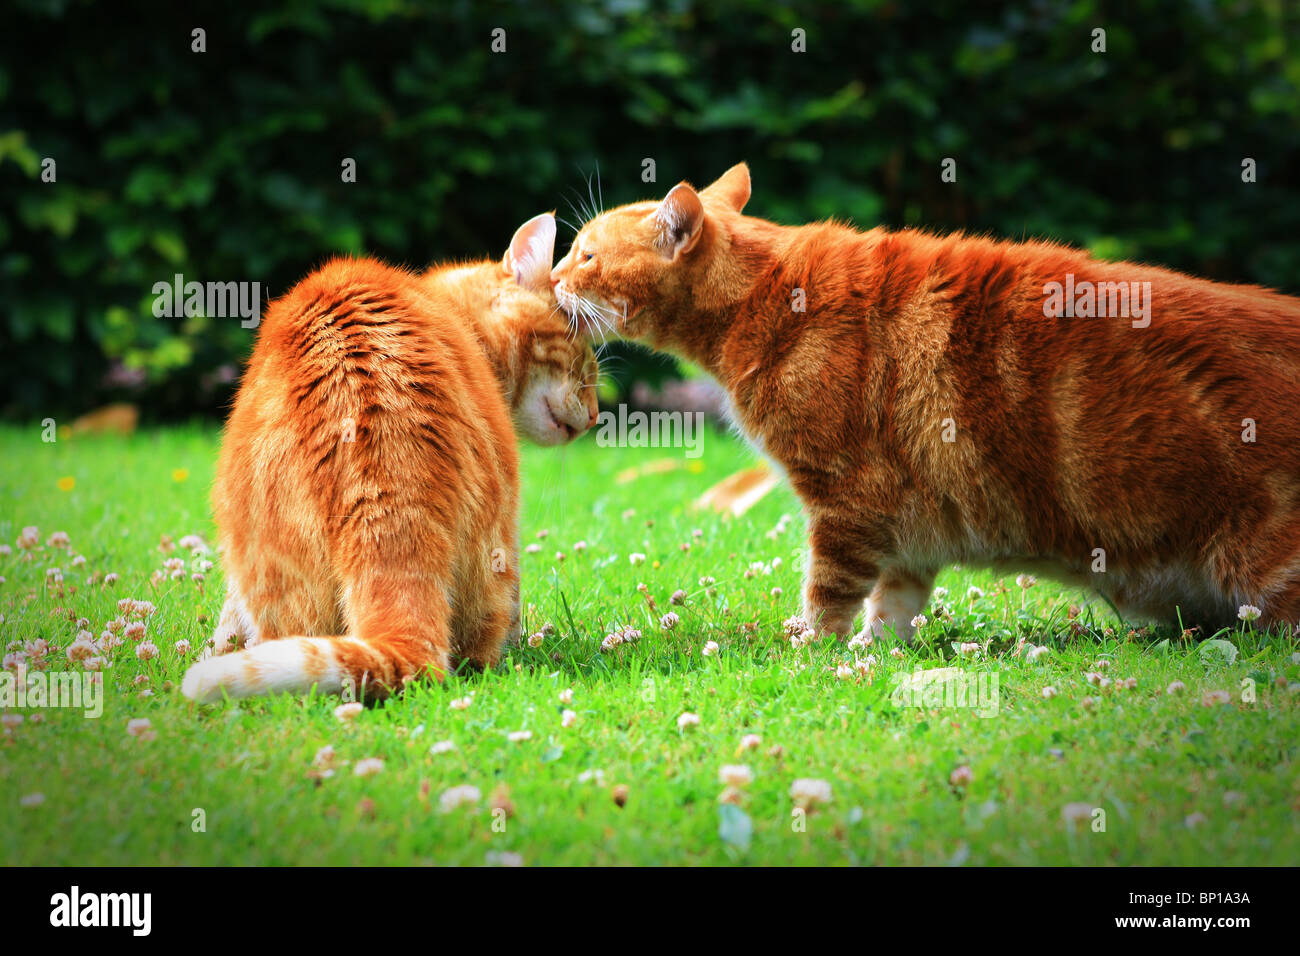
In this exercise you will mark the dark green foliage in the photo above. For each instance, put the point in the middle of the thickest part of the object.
(226, 165)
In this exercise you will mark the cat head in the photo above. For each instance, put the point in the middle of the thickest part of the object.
(643, 270)
(547, 373)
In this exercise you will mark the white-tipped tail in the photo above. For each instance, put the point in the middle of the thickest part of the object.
(288, 665)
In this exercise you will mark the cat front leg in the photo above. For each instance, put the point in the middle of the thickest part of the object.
(842, 568)
(899, 596)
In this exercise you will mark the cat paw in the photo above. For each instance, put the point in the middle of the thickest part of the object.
(880, 627)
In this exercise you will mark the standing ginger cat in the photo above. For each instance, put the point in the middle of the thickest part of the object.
(367, 491)
(931, 403)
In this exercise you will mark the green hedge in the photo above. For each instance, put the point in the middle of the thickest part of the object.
(225, 165)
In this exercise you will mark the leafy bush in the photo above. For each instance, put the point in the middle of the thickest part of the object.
(226, 165)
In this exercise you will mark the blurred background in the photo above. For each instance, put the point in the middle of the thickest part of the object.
(226, 165)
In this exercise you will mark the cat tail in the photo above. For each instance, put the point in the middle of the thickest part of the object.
(387, 649)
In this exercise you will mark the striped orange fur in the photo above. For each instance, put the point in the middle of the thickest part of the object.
(367, 492)
(931, 404)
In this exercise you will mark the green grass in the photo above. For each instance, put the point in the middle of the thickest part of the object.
(1148, 759)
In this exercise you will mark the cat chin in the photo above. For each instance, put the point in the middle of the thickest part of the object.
(540, 425)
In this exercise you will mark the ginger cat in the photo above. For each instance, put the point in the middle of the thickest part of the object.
(931, 402)
(367, 491)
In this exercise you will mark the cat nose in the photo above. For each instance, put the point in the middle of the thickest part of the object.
(591, 419)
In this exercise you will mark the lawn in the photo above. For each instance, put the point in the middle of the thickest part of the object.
(1099, 773)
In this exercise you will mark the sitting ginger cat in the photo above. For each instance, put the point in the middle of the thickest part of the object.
(931, 402)
(367, 493)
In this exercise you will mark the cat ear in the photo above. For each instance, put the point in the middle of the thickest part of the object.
(680, 218)
(531, 250)
(731, 188)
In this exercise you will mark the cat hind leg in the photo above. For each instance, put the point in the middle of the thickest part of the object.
(899, 596)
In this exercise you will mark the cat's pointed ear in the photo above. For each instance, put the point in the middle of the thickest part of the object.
(731, 188)
(680, 218)
(531, 250)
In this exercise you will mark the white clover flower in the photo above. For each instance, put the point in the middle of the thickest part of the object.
(324, 757)
(349, 711)
(568, 718)
(462, 703)
(711, 649)
(961, 776)
(140, 727)
(566, 696)
(636, 557)
(863, 639)
(191, 542)
(844, 672)
(465, 794)
(442, 747)
(1035, 652)
(1248, 612)
(736, 775)
(518, 736)
(1076, 812)
(688, 720)
(973, 593)
(1176, 687)
(669, 621)
(1026, 581)
(750, 741)
(808, 792)
(368, 767)
(535, 640)
(146, 650)
(1049, 692)
(920, 621)
(941, 594)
